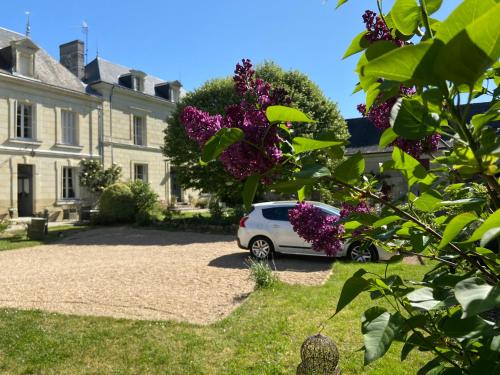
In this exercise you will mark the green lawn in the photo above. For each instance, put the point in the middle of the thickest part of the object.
(263, 336)
(18, 239)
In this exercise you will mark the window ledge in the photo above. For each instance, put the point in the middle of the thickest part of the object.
(68, 146)
(25, 141)
(68, 202)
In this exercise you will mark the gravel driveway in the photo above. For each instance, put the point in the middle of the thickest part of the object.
(140, 274)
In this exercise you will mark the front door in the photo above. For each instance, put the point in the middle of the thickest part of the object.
(25, 190)
(176, 190)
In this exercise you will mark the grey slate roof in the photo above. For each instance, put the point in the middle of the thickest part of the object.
(47, 69)
(103, 70)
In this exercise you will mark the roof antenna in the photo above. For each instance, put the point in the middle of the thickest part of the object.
(97, 48)
(28, 25)
(85, 30)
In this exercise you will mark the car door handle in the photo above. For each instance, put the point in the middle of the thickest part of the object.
(276, 226)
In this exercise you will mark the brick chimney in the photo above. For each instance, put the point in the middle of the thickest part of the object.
(71, 55)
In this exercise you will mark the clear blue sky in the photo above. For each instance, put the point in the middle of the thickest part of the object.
(196, 40)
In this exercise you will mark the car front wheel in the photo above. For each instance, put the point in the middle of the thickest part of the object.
(261, 247)
(359, 252)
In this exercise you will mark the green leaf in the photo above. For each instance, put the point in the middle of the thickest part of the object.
(412, 170)
(433, 6)
(220, 141)
(455, 226)
(289, 187)
(353, 286)
(428, 201)
(301, 194)
(489, 236)
(249, 190)
(351, 169)
(388, 136)
(411, 120)
(278, 114)
(375, 50)
(379, 330)
(423, 299)
(493, 221)
(406, 15)
(358, 44)
(476, 296)
(313, 171)
(415, 340)
(385, 221)
(468, 328)
(301, 144)
(405, 64)
(482, 119)
(463, 15)
(341, 2)
(472, 42)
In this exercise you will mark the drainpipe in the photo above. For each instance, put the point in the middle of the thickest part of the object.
(100, 127)
(111, 122)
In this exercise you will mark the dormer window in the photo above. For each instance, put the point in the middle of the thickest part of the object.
(134, 80)
(23, 54)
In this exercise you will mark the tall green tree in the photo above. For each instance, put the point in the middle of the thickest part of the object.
(213, 97)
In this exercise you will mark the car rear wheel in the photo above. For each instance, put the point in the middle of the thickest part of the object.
(360, 252)
(261, 247)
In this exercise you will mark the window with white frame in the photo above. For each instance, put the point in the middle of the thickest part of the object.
(138, 83)
(139, 131)
(24, 121)
(68, 182)
(69, 127)
(141, 172)
(25, 64)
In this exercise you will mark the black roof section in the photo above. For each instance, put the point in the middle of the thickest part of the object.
(101, 70)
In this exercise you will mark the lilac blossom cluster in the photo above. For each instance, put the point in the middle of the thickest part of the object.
(322, 231)
(379, 114)
(259, 152)
(377, 29)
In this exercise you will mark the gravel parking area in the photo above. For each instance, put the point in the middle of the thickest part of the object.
(140, 274)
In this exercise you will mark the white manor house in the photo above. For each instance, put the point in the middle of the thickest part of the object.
(53, 114)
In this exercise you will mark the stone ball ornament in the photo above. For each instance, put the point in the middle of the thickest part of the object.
(319, 355)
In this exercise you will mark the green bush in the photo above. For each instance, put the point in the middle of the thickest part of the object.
(117, 204)
(144, 197)
(215, 209)
(94, 177)
(147, 206)
(4, 224)
(261, 274)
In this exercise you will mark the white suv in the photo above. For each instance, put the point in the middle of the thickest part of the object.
(266, 229)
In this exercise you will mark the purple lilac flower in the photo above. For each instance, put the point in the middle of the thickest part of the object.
(200, 126)
(259, 152)
(379, 114)
(322, 231)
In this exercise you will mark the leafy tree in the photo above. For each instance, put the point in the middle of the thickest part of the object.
(94, 177)
(453, 312)
(213, 97)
